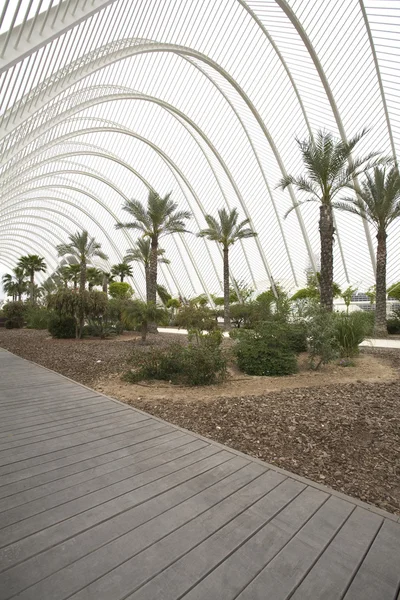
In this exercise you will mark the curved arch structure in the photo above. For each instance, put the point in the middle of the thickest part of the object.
(102, 100)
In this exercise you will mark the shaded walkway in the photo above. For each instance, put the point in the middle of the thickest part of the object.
(100, 501)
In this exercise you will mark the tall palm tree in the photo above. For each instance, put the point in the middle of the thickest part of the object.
(141, 253)
(32, 263)
(14, 284)
(226, 231)
(329, 169)
(121, 270)
(83, 248)
(378, 202)
(159, 218)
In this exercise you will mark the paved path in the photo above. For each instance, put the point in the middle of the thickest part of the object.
(100, 501)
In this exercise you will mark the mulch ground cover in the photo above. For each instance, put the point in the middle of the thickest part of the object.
(346, 436)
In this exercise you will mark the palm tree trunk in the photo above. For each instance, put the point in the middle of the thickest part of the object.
(227, 320)
(32, 298)
(326, 232)
(152, 283)
(380, 329)
(81, 315)
(122, 278)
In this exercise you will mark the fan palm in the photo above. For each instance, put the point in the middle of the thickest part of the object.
(83, 248)
(141, 253)
(32, 263)
(226, 230)
(122, 270)
(15, 284)
(378, 202)
(329, 170)
(159, 218)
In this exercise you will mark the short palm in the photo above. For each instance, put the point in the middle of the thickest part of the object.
(378, 202)
(121, 270)
(159, 218)
(84, 248)
(15, 284)
(329, 170)
(226, 230)
(32, 263)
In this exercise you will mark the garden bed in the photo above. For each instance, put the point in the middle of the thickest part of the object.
(340, 427)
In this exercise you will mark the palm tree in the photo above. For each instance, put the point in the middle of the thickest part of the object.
(226, 231)
(329, 170)
(158, 219)
(378, 202)
(122, 270)
(31, 264)
(94, 277)
(141, 253)
(83, 248)
(15, 284)
(72, 273)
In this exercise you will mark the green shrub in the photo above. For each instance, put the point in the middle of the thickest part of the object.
(14, 312)
(62, 327)
(200, 363)
(297, 333)
(350, 331)
(192, 317)
(38, 317)
(266, 350)
(120, 289)
(100, 328)
(393, 326)
(12, 324)
(321, 335)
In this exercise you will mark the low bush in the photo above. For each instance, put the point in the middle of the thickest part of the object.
(62, 327)
(393, 326)
(297, 333)
(15, 313)
(322, 341)
(350, 330)
(13, 324)
(266, 350)
(202, 362)
(38, 317)
(101, 328)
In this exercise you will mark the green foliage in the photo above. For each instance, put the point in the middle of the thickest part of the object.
(297, 335)
(192, 317)
(202, 362)
(266, 350)
(312, 290)
(12, 324)
(350, 331)
(101, 328)
(393, 326)
(347, 296)
(241, 314)
(120, 289)
(173, 303)
(62, 327)
(163, 294)
(140, 314)
(394, 291)
(241, 292)
(321, 334)
(38, 317)
(15, 313)
(371, 294)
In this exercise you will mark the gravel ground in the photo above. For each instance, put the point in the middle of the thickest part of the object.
(346, 436)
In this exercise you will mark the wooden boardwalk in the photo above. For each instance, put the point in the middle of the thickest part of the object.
(100, 501)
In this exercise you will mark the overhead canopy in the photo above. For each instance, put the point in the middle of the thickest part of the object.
(102, 100)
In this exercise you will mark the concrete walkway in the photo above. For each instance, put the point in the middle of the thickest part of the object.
(99, 501)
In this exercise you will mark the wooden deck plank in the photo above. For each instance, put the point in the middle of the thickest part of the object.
(378, 578)
(99, 501)
(287, 569)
